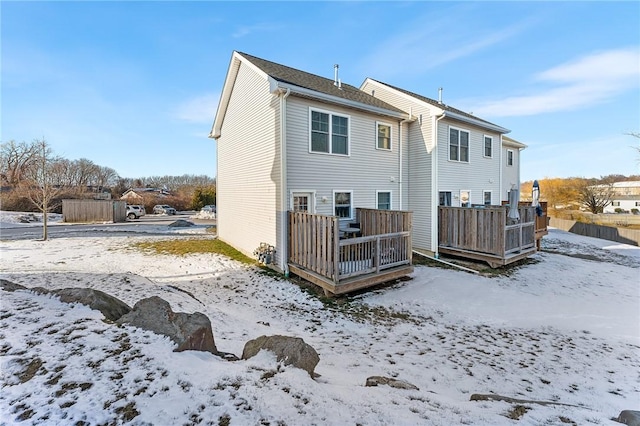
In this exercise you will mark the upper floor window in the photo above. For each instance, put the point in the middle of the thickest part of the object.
(509, 157)
(458, 145)
(488, 146)
(383, 133)
(342, 204)
(329, 133)
(384, 200)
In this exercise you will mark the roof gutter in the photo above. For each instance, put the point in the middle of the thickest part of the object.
(277, 86)
(475, 122)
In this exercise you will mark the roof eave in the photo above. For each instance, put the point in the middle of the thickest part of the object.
(475, 122)
(279, 85)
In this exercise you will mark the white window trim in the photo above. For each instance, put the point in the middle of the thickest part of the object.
(460, 197)
(312, 201)
(484, 147)
(484, 194)
(333, 204)
(390, 198)
(331, 113)
(513, 159)
(390, 135)
(459, 129)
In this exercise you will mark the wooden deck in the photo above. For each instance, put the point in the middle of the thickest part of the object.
(486, 234)
(341, 265)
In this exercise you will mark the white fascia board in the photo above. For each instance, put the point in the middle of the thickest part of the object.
(278, 85)
(229, 82)
(475, 122)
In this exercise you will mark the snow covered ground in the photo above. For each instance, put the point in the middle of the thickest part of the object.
(564, 328)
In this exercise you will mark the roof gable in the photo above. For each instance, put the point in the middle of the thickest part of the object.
(285, 74)
(453, 112)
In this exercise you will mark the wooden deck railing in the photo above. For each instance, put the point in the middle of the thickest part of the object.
(486, 230)
(315, 244)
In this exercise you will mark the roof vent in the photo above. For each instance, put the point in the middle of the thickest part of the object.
(440, 95)
(336, 81)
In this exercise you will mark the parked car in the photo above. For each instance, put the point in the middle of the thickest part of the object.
(163, 209)
(135, 211)
(210, 208)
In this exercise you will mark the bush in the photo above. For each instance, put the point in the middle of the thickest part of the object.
(635, 211)
(619, 210)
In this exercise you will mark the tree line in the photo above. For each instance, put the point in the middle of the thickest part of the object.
(575, 193)
(33, 178)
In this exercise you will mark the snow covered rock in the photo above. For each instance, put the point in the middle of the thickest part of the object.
(394, 383)
(629, 417)
(289, 350)
(10, 286)
(189, 331)
(111, 308)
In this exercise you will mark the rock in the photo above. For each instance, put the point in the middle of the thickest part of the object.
(629, 417)
(181, 223)
(394, 383)
(494, 397)
(10, 286)
(289, 350)
(111, 308)
(189, 331)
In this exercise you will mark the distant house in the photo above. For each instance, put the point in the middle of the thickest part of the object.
(132, 197)
(291, 141)
(135, 195)
(626, 197)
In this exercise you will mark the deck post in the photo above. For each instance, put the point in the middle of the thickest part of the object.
(336, 250)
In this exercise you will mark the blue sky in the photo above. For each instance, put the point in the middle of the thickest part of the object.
(134, 85)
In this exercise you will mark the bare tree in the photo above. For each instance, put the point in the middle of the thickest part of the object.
(594, 195)
(637, 136)
(40, 184)
(15, 159)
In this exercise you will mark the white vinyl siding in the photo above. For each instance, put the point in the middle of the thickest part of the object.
(454, 176)
(417, 168)
(247, 201)
(510, 174)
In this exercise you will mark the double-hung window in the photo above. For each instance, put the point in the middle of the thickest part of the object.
(329, 133)
(342, 204)
(458, 145)
(509, 157)
(384, 200)
(488, 146)
(383, 135)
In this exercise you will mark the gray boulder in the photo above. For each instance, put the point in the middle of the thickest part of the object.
(189, 331)
(10, 286)
(111, 308)
(394, 383)
(629, 417)
(181, 223)
(288, 350)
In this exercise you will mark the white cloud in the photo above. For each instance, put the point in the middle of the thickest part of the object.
(587, 81)
(425, 47)
(249, 29)
(200, 109)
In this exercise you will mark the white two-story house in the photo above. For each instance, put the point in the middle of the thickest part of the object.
(290, 140)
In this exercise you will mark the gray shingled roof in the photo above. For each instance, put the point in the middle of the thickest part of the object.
(316, 83)
(436, 103)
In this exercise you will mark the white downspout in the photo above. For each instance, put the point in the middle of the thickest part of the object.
(283, 183)
(401, 180)
(434, 183)
(501, 165)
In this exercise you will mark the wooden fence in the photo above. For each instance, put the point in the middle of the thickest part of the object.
(486, 230)
(620, 235)
(315, 244)
(88, 211)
